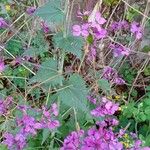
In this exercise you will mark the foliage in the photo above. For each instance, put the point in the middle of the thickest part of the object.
(73, 80)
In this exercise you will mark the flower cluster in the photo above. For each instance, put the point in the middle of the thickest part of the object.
(5, 105)
(105, 108)
(73, 141)
(100, 137)
(29, 125)
(92, 28)
(111, 75)
(134, 27)
(115, 26)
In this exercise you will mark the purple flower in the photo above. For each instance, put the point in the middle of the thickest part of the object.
(105, 108)
(98, 31)
(80, 30)
(115, 26)
(82, 14)
(30, 10)
(45, 27)
(91, 99)
(27, 123)
(92, 54)
(20, 140)
(137, 144)
(2, 107)
(72, 141)
(136, 30)
(3, 23)
(144, 148)
(2, 65)
(9, 140)
(54, 109)
(119, 81)
(119, 50)
(109, 73)
(52, 124)
(5, 105)
(99, 19)
(38, 125)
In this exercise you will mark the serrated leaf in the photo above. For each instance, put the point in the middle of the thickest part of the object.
(47, 74)
(104, 85)
(45, 134)
(51, 12)
(34, 52)
(74, 93)
(69, 43)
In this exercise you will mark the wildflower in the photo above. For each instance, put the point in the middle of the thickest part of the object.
(100, 33)
(119, 50)
(2, 66)
(20, 140)
(46, 121)
(8, 140)
(45, 27)
(81, 30)
(115, 26)
(27, 123)
(91, 99)
(106, 108)
(99, 19)
(111, 75)
(30, 10)
(119, 81)
(54, 109)
(72, 141)
(92, 54)
(52, 124)
(136, 30)
(5, 105)
(83, 15)
(3, 23)
(7, 7)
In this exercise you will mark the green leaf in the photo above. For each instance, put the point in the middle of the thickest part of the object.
(147, 110)
(51, 12)
(74, 93)
(147, 71)
(47, 74)
(147, 141)
(45, 134)
(34, 52)
(142, 116)
(90, 39)
(147, 101)
(3, 147)
(104, 85)
(14, 47)
(69, 43)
